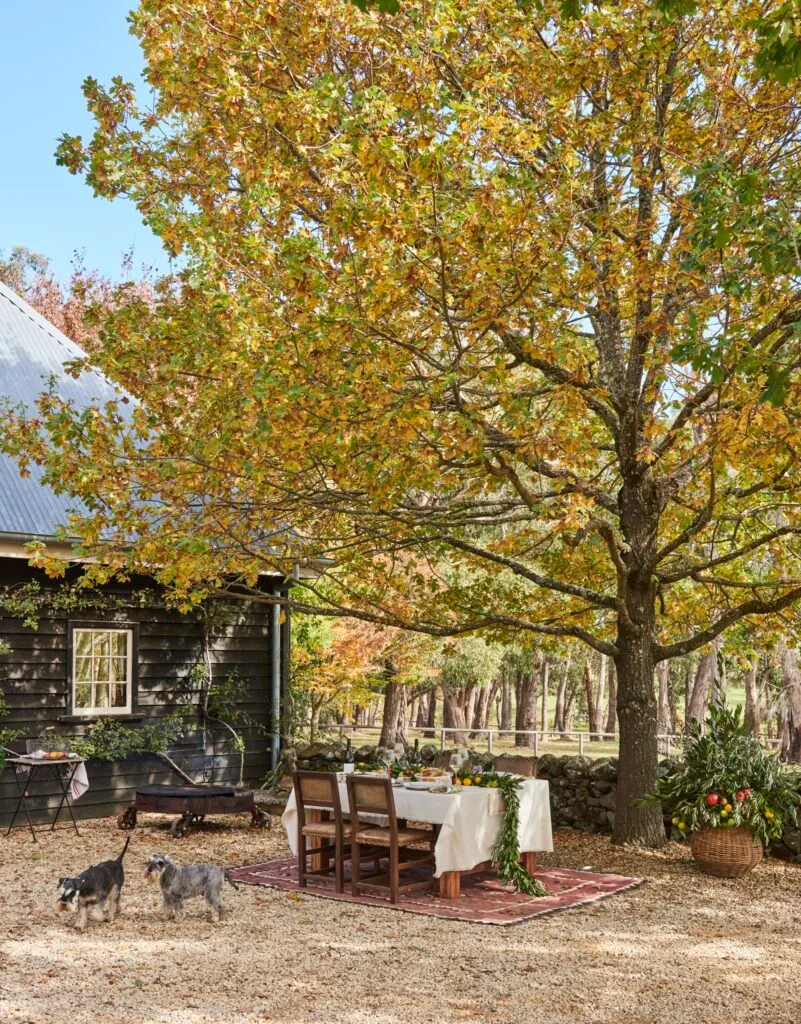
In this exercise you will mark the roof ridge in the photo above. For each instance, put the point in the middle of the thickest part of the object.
(25, 307)
(59, 337)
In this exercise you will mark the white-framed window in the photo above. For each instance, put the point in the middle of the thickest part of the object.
(102, 670)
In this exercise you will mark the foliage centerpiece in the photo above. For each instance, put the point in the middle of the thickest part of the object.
(506, 853)
(726, 780)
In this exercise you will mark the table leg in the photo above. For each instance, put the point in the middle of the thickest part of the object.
(529, 861)
(450, 885)
(65, 781)
(23, 801)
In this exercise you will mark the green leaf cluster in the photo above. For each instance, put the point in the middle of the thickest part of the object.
(112, 740)
(6, 735)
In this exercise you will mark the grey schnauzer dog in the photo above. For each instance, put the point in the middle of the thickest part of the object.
(94, 892)
(181, 883)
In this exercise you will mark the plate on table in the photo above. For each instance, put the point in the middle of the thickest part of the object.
(425, 783)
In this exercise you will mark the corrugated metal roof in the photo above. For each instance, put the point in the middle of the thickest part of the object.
(32, 352)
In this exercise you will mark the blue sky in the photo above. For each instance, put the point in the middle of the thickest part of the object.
(47, 48)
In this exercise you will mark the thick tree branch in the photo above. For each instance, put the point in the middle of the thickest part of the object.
(756, 606)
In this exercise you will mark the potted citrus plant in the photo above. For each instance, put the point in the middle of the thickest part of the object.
(727, 794)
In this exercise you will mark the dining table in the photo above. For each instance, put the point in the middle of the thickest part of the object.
(467, 820)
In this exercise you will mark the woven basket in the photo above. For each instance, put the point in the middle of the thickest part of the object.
(726, 852)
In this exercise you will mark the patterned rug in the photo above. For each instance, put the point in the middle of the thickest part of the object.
(484, 899)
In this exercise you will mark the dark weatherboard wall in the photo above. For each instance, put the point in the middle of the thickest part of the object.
(168, 647)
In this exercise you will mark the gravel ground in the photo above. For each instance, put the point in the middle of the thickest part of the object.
(684, 949)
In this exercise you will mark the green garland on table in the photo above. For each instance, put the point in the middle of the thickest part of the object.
(506, 852)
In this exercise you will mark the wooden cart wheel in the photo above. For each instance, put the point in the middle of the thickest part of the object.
(259, 818)
(127, 819)
(180, 827)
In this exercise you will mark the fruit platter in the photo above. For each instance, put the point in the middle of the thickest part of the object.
(425, 778)
(52, 755)
(370, 768)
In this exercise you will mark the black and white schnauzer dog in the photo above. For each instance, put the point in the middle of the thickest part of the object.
(181, 883)
(94, 892)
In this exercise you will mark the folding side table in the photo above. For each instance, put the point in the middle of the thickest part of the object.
(26, 770)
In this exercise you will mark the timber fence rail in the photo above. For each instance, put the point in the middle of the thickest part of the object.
(539, 737)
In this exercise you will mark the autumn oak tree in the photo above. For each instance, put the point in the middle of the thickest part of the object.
(475, 288)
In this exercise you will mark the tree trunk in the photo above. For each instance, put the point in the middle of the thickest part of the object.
(422, 711)
(469, 704)
(393, 726)
(561, 698)
(592, 707)
(481, 710)
(664, 723)
(505, 721)
(570, 704)
(638, 756)
(600, 695)
(314, 718)
(431, 720)
(453, 716)
(687, 690)
(752, 710)
(526, 717)
(791, 736)
(673, 705)
(545, 676)
(611, 706)
(704, 679)
(639, 501)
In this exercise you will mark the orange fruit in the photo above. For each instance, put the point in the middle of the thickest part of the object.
(467, 782)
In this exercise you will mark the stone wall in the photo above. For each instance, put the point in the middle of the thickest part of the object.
(583, 797)
(582, 789)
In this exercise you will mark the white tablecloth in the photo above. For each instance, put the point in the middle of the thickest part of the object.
(471, 819)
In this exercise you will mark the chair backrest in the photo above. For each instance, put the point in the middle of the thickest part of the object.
(526, 766)
(316, 789)
(371, 794)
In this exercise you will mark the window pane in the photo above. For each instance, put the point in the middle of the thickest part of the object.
(83, 693)
(102, 670)
(119, 696)
(83, 642)
(102, 643)
(119, 643)
(100, 695)
(119, 670)
(83, 670)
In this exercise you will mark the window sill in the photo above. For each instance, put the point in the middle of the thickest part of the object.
(94, 719)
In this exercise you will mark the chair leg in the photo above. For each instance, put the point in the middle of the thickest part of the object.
(394, 875)
(355, 868)
(339, 873)
(302, 860)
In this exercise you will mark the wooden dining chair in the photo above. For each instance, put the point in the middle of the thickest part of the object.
(316, 792)
(372, 795)
(517, 765)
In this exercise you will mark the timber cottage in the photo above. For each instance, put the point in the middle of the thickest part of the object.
(125, 657)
